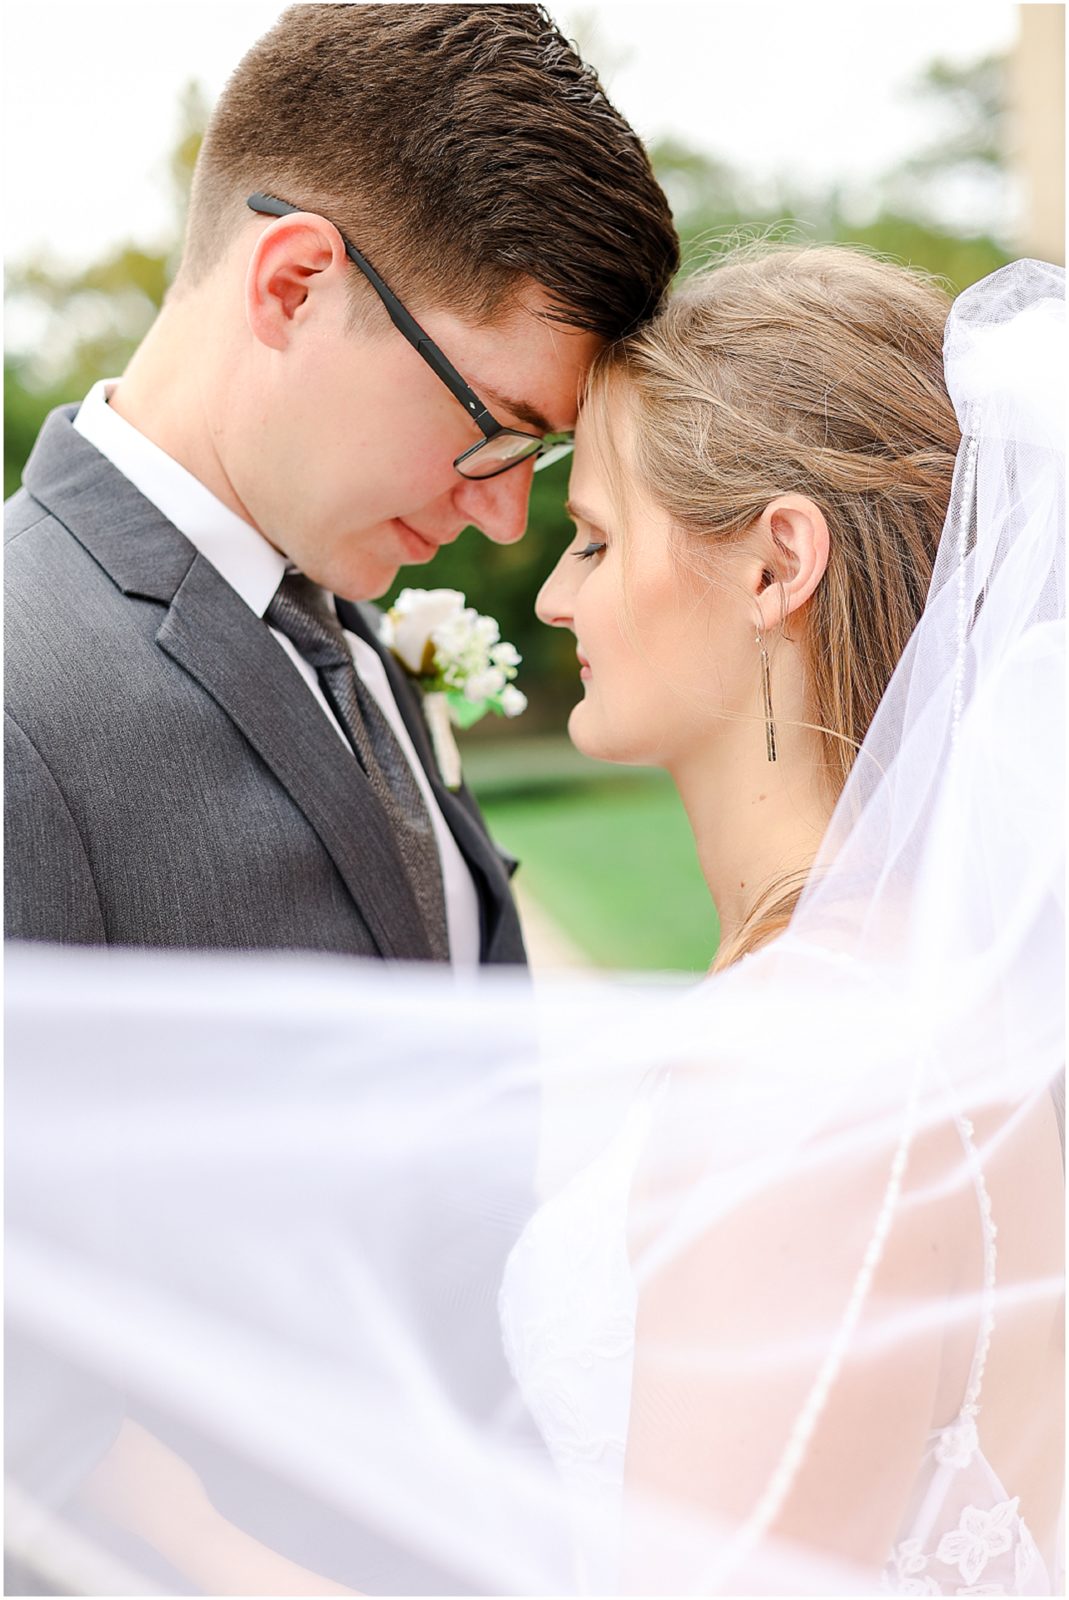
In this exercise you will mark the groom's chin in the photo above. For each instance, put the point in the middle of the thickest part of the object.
(367, 580)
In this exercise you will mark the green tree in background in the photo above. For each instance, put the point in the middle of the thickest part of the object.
(973, 101)
(80, 325)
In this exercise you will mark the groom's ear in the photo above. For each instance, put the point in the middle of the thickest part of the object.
(793, 545)
(294, 262)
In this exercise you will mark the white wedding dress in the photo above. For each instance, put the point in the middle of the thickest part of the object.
(568, 1304)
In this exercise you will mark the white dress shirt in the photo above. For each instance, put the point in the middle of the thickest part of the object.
(254, 569)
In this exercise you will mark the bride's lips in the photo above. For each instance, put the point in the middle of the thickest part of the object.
(584, 665)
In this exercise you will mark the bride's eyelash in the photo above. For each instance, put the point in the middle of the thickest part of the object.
(592, 549)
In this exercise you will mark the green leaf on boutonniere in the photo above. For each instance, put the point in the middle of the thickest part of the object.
(464, 712)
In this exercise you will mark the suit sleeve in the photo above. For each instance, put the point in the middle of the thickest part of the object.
(49, 890)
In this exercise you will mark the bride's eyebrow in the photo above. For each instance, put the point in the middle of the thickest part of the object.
(578, 513)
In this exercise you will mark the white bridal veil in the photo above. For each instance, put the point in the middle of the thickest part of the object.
(327, 1277)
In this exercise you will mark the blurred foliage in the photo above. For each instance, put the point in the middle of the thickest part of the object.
(965, 158)
(973, 100)
(76, 326)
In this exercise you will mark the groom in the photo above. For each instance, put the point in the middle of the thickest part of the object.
(411, 228)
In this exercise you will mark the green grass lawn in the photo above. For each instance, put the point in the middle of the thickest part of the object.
(613, 862)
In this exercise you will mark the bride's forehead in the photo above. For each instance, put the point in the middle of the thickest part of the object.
(604, 484)
(588, 497)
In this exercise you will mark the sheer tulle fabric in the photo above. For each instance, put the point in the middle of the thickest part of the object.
(326, 1278)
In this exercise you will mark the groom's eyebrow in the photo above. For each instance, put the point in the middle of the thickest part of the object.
(516, 408)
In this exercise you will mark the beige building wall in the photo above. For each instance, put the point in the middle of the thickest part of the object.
(1037, 129)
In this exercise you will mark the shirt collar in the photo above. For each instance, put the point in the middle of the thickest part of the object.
(237, 551)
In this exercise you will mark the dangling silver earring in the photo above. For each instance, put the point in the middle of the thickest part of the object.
(766, 688)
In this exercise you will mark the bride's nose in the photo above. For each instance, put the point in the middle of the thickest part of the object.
(555, 598)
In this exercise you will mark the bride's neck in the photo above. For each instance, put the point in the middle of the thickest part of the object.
(755, 821)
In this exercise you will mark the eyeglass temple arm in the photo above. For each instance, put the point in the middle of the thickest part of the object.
(402, 320)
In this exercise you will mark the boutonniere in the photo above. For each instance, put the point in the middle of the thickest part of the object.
(460, 661)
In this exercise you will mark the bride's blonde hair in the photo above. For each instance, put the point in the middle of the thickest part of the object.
(816, 370)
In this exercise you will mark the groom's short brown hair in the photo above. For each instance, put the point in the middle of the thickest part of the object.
(460, 147)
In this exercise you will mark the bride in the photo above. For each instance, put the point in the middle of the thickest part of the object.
(777, 1262)
(741, 637)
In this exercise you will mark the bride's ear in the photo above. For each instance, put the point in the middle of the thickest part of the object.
(794, 536)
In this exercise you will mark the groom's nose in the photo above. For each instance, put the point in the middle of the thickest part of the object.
(497, 506)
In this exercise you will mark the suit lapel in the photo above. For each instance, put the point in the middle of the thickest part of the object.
(231, 653)
(458, 809)
(210, 633)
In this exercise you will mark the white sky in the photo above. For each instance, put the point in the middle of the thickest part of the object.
(812, 89)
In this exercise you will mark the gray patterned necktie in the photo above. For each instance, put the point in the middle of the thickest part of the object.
(305, 613)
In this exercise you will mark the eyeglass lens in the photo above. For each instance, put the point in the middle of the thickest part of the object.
(495, 454)
(508, 449)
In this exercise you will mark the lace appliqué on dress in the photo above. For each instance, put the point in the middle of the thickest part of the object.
(989, 1552)
(989, 1549)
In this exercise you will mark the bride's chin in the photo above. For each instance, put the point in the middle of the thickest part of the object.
(589, 740)
(578, 731)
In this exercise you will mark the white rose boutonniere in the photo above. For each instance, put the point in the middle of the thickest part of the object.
(459, 659)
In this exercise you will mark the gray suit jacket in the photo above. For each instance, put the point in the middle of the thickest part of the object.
(169, 780)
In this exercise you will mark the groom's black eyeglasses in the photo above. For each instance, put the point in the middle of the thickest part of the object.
(500, 448)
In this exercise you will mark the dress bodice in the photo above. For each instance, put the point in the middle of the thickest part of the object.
(568, 1306)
